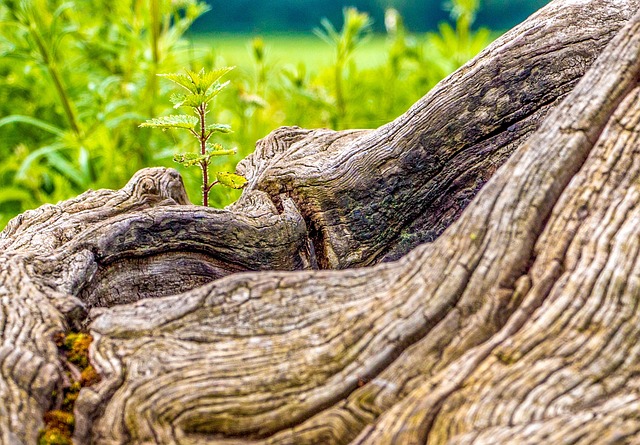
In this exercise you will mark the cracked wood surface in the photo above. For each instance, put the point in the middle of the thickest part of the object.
(374, 195)
(516, 325)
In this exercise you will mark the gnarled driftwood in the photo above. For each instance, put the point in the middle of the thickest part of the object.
(284, 319)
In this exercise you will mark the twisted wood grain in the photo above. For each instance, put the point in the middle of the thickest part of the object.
(516, 324)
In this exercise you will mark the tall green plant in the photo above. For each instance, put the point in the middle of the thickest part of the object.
(42, 31)
(403, 48)
(202, 87)
(355, 31)
(453, 46)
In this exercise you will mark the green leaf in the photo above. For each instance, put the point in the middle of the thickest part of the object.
(214, 90)
(212, 76)
(190, 159)
(22, 172)
(216, 149)
(15, 194)
(177, 99)
(194, 76)
(231, 180)
(181, 79)
(68, 170)
(329, 33)
(113, 123)
(16, 118)
(205, 80)
(194, 100)
(202, 85)
(219, 128)
(173, 121)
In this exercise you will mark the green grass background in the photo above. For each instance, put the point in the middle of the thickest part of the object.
(286, 49)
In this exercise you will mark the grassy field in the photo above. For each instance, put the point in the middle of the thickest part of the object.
(285, 49)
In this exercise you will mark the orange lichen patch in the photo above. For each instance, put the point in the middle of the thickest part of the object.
(59, 423)
(58, 429)
(76, 346)
(89, 376)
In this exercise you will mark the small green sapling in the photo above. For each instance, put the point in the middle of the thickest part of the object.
(202, 87)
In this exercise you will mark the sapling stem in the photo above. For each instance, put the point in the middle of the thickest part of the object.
(202, 87)
(355, 30)
(204, 163)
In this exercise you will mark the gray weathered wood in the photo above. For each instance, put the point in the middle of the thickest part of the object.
(516, 324)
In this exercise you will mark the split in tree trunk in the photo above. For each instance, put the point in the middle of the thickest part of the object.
(516, 324)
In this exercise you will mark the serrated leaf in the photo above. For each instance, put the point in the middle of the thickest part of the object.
(194, 76)
(206, 80)
(190, 159)
(216, 149)
(219, 128)
(231, 180)
(197, 82)
(194, 100)
(216, 74)
(181, 79)
(177, 99)
(214, 90)
(173, 121)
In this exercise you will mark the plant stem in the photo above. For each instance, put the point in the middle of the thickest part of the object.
(57, 80)
(64, 98)
(204, 165)
(211, 185)
(340, 104)
(155, 30)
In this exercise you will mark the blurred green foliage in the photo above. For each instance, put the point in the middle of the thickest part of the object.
(355, 31)
(77, 77)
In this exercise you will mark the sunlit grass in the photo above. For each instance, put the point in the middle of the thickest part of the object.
(289, 49)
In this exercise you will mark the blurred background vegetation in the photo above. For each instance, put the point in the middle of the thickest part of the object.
(78, 77)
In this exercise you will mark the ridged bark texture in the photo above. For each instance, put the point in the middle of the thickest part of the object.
(468, 273)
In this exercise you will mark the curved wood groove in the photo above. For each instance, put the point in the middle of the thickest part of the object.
(513, 325)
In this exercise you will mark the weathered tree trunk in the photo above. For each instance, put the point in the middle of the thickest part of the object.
(516, 324)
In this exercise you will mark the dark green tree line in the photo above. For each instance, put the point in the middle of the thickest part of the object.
(296, 15)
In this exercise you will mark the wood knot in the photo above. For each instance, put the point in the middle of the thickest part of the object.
(158, 182)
